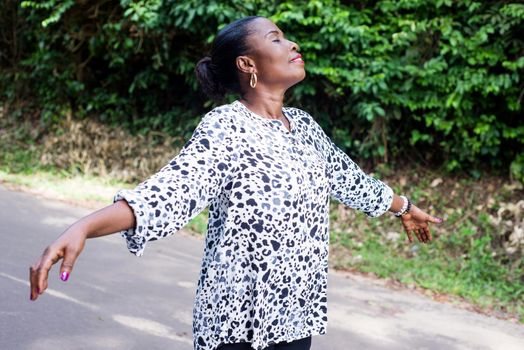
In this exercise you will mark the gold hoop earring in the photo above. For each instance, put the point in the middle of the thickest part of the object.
(253, 81)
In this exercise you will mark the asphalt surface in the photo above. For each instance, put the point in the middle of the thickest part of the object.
(114, 300)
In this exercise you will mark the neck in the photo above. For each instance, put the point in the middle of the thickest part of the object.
(265, 103)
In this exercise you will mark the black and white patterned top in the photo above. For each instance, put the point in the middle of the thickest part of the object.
(265, 264)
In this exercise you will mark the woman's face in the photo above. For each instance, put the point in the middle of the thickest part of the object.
(277, 61)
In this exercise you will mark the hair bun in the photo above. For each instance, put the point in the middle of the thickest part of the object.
(205, 60)
(207, 79)
(219, 74)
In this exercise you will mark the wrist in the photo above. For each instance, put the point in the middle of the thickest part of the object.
(77, 230)
(404, 208)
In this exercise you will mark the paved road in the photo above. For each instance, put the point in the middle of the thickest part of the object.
(115, 300)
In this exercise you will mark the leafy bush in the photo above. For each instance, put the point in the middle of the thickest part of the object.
(437, 81)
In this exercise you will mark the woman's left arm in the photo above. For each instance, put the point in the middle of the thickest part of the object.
(415, 221)
(356, 189)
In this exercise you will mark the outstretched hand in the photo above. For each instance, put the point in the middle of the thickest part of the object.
(66, 248)
(416, 222)
(111, 219)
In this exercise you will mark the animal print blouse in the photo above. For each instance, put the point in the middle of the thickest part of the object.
(265, 265)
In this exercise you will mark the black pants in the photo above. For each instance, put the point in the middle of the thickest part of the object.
(300, 344)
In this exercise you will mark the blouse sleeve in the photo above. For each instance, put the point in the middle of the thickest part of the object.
(349, 184)
(179, 191)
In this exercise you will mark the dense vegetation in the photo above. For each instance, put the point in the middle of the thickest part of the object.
(433, 81)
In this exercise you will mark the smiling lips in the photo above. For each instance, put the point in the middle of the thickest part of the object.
(297, 59)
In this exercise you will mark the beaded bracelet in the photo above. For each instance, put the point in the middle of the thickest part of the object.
(405, 207)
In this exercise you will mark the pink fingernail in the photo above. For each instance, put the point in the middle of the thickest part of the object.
(64, 276)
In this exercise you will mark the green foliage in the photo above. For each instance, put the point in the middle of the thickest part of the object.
(440, 81)
(517, 168)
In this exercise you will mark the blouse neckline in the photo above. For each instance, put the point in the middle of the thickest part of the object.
(274, 122)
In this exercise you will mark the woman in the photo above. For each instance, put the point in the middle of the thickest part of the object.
(267, 172)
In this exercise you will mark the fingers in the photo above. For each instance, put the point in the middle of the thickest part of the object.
(422, 233)
(425, 228)
(428, 234)
(34, 278)
(38, 273)
(67, 264)
(434, 219)
(423, 237)
(417, 233)
(33, 291)
(410, 235)
(420, 216)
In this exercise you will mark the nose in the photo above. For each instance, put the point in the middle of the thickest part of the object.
(294, 46)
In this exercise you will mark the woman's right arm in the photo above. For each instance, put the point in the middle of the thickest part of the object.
(111, 219)
(159, 206)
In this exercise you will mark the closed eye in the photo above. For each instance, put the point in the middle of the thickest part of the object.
(276, 40)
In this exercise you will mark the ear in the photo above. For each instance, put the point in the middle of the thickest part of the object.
(245, 64)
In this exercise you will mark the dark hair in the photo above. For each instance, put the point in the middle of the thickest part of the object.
(218, 74)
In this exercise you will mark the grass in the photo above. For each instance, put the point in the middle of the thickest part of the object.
(86, 190)
(459, 263)
(93, 192)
